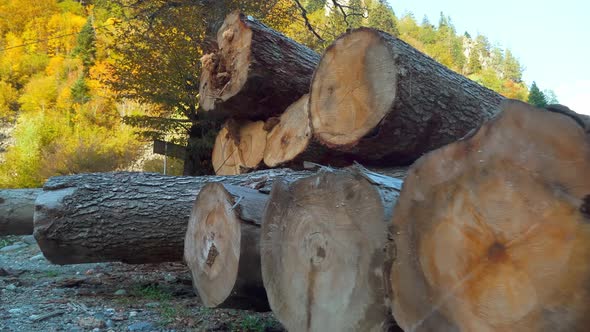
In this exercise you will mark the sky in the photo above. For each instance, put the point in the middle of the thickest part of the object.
(551, 39)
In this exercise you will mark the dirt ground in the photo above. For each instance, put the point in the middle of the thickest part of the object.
(36, 295)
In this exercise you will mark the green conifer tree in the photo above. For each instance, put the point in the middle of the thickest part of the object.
(536, 97)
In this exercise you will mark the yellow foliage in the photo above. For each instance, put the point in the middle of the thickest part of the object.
(8, 99)
(63, 28)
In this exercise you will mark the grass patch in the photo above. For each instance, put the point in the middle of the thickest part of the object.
(252, 323)
(152, 292)
(6, 241)
(51, 274)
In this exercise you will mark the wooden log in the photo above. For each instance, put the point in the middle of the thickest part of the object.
(380, 99)
(257, 72)
(239, 147)
(129, 217)
(322, 251)
(16, 211)
(290, 143)
(222, 248)
(492, 233)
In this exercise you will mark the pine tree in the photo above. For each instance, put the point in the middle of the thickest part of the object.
(536, 97)
(86, 44)
(511, 69)
(382, 17)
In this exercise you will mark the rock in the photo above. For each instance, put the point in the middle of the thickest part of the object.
(110, 323)
(132, 314)
(141, 326)
(89, 272)
(152, 305)
(170, 278)
(15, 311)
(96, 330)
(10, 287)
(121, 292)
(37, 258)
(119, 317)
(110, 311)
(90, 322)
(29, 239)
(14, 246)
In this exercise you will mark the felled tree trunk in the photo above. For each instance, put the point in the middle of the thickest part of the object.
(129, 217)
(322, 251)
(222, 247)
(492, 233)
(290, 142)
(257, 71)
(380, 99)
(239, 147)
(16, 211)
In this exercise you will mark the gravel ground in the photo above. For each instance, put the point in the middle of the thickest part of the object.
(36, 295)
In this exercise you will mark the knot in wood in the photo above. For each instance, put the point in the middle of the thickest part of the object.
(213, 253)
(585, 207)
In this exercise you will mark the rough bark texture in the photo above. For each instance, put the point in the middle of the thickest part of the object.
(128, 217)
(16, 211)
(254, 77)
(322, 251)
(222, 247)
(492, 233)
(380, 99)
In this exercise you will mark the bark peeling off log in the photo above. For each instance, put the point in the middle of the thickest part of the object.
(257, 72)
(490, 231)
(129, 217)
(16, 211)
(322, 251)
(380, 99)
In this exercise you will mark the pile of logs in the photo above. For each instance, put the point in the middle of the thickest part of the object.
(488, 231)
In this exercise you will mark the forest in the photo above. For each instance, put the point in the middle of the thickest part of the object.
(85, 86)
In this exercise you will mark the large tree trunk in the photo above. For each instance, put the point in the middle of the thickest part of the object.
(239, 147)
(322, 251)
(492, 233)
(380, 99)
(290, 143)
(222, 247)
(257, 71)
(16, 211)
(128, 217)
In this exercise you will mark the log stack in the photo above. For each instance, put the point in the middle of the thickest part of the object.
(490, 231)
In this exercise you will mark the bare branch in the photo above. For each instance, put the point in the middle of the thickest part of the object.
(307, 24)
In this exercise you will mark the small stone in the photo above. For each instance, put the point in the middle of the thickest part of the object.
(29, 239)
(110, 323)
(90, 323)
(110, 311)
(132, 314)
(15, 311)
(152, 304)
(96, 330)
(170, 278)
(141, 326)
(121, 292)
(36, 258)
(119, 317)
(12, 247)
(10, 287)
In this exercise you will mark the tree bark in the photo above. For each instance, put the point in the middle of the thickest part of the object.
(257, 72)
(129, 217)
(322, 251)
(222, 247)
(290, 143)
(492, 232)
(380, 99)
(16, 211)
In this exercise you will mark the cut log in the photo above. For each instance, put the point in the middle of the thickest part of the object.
(16, 211)
(322, 251)
(222, 248)
(290, 143)
(134, 218)
(239, 147)
(380, 99)
(492, 233)
(257, 71)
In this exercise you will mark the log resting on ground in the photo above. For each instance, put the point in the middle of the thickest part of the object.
(129, 217)
(16, 211)
(257, 72)
(322, 251)
(222, 247)
(385, 102)
(492, 233)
